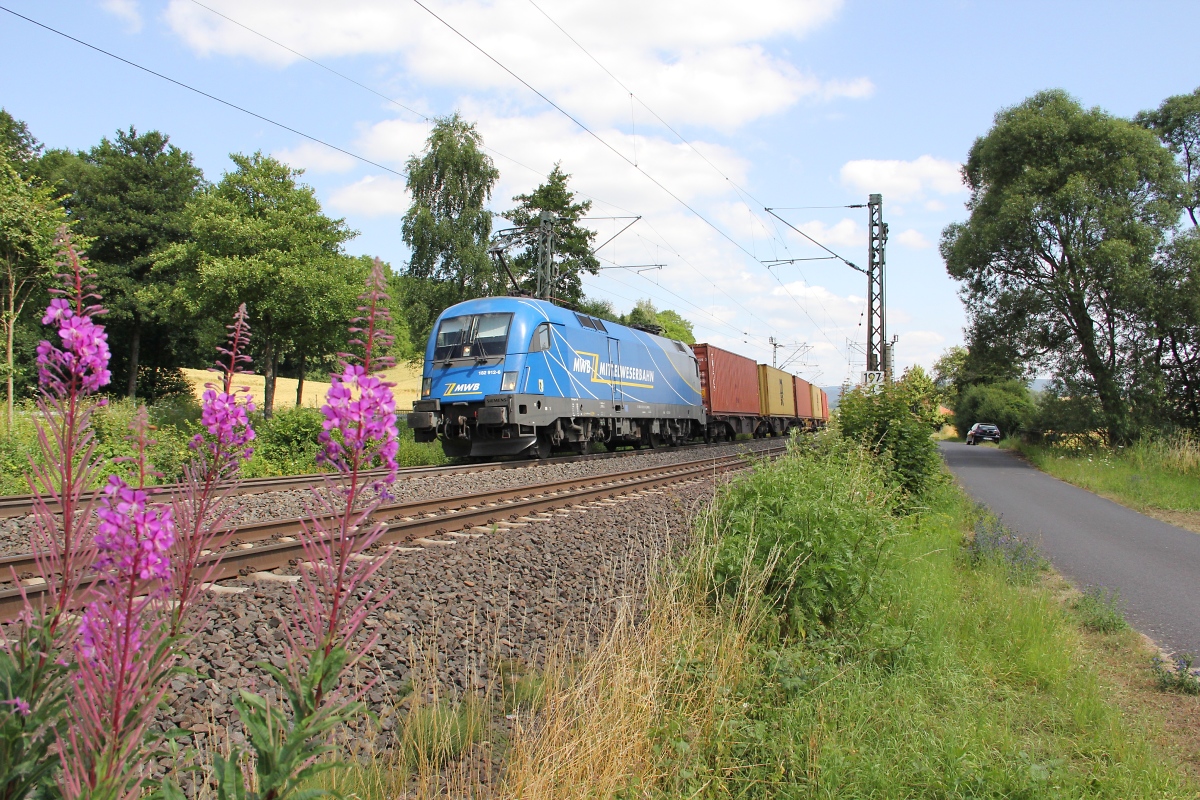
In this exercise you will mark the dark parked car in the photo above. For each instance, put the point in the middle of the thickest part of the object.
(983, 432)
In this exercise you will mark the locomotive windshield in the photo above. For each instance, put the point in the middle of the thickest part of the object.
(474, 336)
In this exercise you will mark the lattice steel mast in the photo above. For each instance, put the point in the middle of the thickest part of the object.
(878, 347)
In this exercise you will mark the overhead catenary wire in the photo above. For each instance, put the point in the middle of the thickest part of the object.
(203, 93)
(606, 144)
(313, 61)
(427, 119)
(742, 192)
(399, 173)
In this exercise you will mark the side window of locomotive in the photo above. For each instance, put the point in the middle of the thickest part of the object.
(598, 325)
(585, 321)
(541, 338)
(452, 334)
(491, 334)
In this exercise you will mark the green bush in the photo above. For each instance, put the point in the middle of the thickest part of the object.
(285, 443)
(1006, 404)
(896, 421)
(815, 526)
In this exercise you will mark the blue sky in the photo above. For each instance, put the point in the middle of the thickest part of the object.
(798, 103)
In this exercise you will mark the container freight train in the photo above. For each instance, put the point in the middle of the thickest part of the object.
(511, 375)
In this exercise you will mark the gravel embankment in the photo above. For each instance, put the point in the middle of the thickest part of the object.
(15, 533)
(457, 609)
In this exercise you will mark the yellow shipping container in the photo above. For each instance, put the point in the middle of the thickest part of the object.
(776, 392)
(816, 401)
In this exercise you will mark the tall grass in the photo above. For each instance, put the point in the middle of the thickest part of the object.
(1152, 473)
(959, 679)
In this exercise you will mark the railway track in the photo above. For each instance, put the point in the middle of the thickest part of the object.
(20, 505)
(258, 548)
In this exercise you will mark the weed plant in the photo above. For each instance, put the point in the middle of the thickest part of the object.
(993, 543)
(1177, 675)
(1099, 610)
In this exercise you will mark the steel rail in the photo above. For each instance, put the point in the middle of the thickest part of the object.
(19, 505)
(410, 521)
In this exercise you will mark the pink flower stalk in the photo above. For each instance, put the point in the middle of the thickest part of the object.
(360, 409)
(123, 651)
(359, 405)
(81, 364)
(66, 375)
(226, 418)
(202, 507)
(131, 538)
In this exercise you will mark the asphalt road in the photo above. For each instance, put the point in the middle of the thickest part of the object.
(1093, 541)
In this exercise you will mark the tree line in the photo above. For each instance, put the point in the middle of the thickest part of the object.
(1080, 259)
(175, 254)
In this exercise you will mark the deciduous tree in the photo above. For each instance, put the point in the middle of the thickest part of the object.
(572, 250)
(17, 144)
(260, 238)
(1177, 122)
(29, 218)
(447, 226)
(130, 198)
(1067, 209)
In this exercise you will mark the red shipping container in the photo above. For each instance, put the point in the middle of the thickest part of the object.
(824, 405)
(804, 408)
(728, 382)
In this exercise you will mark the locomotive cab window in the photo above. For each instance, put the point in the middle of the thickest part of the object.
(477, 336)
(491, 334)
(541, 338)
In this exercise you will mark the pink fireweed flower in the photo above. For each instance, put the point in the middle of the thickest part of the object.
(83, 357)
(20, 705)
(58, 310)
(132, 540)
(360, 407)
(104, 629)
(228, 423)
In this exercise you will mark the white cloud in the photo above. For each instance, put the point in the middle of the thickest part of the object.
(904, 180)
(372, 196)
(934, 205)
(693, 61)
(913, 238)
(313, 157)
(127, 10)
(844, 233)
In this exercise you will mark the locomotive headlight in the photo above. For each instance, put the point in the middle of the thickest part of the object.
(509, 382)
(426, 387)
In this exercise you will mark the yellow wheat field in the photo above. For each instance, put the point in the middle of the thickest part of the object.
(406, 377)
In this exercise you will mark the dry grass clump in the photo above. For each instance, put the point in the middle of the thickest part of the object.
(598, 727)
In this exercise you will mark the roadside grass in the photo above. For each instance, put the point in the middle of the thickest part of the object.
(948, 674)
(1151, 476)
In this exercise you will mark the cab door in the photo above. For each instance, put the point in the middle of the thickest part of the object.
(614, 358)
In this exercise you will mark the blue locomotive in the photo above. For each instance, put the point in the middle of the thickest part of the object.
(510, 375)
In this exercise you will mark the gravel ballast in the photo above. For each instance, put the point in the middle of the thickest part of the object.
(457, 610)
(15, 532)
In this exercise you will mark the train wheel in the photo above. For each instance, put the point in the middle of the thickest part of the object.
(541, 448)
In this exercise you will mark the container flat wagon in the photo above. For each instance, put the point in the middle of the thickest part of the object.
(777, 401)
(729, 391)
